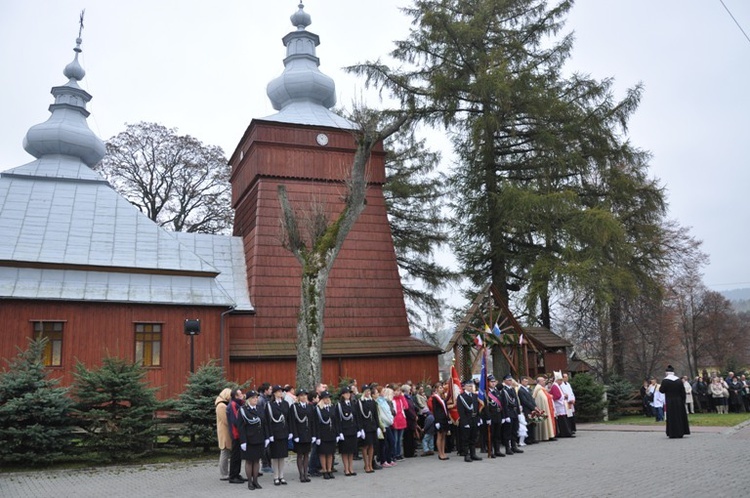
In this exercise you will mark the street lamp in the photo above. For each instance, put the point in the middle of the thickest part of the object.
(192, 328)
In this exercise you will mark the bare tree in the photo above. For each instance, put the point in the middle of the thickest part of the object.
(175, 180)
(317, 250)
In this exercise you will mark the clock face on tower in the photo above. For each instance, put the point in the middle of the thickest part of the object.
(322, 139)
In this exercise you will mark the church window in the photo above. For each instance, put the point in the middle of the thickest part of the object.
(53, 332)
(148, 344)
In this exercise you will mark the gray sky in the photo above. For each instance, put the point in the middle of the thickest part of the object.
(202, 67)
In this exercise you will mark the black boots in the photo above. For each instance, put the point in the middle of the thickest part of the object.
(498, 453)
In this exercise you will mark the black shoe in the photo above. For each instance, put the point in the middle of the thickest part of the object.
(250, 486)
(467, 458)
(277, 482)
(236, 480)
(517, 450)
(315, 474)
(260, 474)
(376, 466)
(282, 481)
(326, 475)
(508, 450)
(499, 454)
(257, 486)
(331, 476)
(475, 458)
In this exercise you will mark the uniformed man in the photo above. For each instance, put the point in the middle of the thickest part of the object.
(469, 420)
(494, 415)
(511, 409)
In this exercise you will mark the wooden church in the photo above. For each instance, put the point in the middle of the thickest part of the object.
(84, 268)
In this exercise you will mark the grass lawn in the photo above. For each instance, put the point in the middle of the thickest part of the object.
(696, 419)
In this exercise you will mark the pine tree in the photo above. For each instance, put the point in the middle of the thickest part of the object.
(116, 407)
(35, 423)
(196, 404)
(540, 155)
(414, 197)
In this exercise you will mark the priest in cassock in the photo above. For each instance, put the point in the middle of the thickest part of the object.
(674, 392)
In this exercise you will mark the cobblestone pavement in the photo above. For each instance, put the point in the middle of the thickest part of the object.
(602, 461)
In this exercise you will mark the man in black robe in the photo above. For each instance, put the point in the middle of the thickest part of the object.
(674, 393)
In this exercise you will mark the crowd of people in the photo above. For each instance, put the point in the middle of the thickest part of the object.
(705, 394)
(385, 424)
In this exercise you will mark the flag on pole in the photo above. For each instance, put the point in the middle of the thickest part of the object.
(496, 330)
(478, 340)
(482, 395)
(453, 391)
(520, 339)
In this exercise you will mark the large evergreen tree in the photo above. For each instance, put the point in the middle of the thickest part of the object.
(116, 408)
(539, 153)
(35, 423)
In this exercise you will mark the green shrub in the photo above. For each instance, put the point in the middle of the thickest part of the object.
(195, 405)
(35, 423)
(589, 398)
(619, 391)
(116, 408)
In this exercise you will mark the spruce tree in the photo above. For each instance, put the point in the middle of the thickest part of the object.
(540, 155)
(414, 195)
(116, 407)
(35, 423)
(196, 404)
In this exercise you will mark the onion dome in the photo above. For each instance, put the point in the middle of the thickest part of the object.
(301, 82)
(66, 132)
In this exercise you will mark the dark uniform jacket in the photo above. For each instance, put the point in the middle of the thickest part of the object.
(277, 419)
(251, 425)
(468, 409)
(346, 418)
(301, 419)
(511, 407)
(325, 427)
(440, 411)
(367, 414)
(528, 404)
(493, 410)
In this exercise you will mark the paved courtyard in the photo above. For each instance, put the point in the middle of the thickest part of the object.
(600, 461)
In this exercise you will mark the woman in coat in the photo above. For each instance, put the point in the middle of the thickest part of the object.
(385, 413)
(253, 434)
(439, 410)
(277, 418)
(325, 433)
(223, 434)
(369, 423)
(400, 405)
(301, 418)
(349, 430)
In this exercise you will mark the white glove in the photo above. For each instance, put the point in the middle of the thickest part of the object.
(480, 422)
(338, 439)
(296, 440)
(267, 441)
(317, 441)
(312, 441)
(290, 437)
(437, 426)
(489, 422)
(362, 434)
(467, 427)
(271, 439)
(506, 420)
(380, 433)
(243, 446)
(341, 436)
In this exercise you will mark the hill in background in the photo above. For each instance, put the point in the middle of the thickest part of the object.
(740, 298)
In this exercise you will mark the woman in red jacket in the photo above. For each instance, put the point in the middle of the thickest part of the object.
(400, 405)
